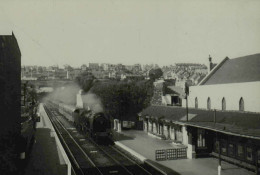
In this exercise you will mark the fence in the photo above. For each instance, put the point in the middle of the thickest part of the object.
(170, 154)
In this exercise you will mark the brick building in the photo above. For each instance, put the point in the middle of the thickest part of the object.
(10, 110)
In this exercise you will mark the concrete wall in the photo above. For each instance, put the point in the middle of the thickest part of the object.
(46, 123)
(232, 93)
(167, 99)
(150, 126)
(172, 136)
(166, 131)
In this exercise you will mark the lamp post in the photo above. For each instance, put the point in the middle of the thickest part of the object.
(187, 109)
(219, 154)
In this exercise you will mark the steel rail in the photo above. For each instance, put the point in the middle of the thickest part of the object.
(105, 152)
(120, 152)
(93, 142)
(63, 141)
(74, 159)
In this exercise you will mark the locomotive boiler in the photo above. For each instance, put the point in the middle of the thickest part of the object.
(95, 125)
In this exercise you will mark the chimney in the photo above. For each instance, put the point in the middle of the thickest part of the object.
(210, 64)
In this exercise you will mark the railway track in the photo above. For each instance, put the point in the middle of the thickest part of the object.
(87, 156)
(81, 163)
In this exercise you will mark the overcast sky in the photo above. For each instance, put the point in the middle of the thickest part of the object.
(132, 31)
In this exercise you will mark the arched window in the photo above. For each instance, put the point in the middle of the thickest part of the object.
(241, 104)
(223, 104)
(196, 103)
(209, 104)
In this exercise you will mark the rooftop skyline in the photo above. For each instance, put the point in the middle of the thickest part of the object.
(130, 32)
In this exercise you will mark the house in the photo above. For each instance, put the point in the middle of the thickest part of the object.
(93, 66)
(60, 74)
(112, 74)
(173, 96)
(75, 73)
(84, 67)
(230, 84)
(98, 74)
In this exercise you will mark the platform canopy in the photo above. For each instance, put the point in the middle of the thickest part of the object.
(239, 123)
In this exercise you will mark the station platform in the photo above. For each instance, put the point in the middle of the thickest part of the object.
(143, 146)
(45, 157)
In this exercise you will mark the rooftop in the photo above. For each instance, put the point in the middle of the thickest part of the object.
(237, 70)
(242, 123)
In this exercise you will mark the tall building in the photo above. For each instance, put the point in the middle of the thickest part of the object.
(10, 85)
(10, 92)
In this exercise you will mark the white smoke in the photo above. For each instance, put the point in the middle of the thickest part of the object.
(65, 94)
(93, 102)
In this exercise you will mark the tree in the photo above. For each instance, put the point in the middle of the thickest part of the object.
(155, 73)
(85, 80)
(124, 100)
(68, 67)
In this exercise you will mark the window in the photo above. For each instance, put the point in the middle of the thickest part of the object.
(241, 104)
(223, 104)
(209, 104)
(201, 138)
(231, 150)
(196, 103)
(224, 147)
(240, 151)
(249, 154)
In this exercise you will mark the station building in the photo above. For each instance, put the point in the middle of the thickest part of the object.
(223, 114)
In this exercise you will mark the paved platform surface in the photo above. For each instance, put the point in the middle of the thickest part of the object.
(45, 158)
(143, 144)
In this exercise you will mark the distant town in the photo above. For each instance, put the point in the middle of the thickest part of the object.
(180, 72)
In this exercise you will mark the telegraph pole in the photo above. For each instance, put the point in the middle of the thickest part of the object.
(187, 109)
(219, 154)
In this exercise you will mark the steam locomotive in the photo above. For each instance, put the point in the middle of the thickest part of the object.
(96, 125)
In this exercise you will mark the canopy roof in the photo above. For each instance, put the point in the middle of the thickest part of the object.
(243, 123)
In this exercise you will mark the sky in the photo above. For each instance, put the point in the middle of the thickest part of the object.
(161, 32)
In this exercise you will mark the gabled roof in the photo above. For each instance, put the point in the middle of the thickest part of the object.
(237, 70)
(241, 123)
(8, 43)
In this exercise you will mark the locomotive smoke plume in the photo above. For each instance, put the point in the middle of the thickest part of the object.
(65, 94)
(93, 101)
